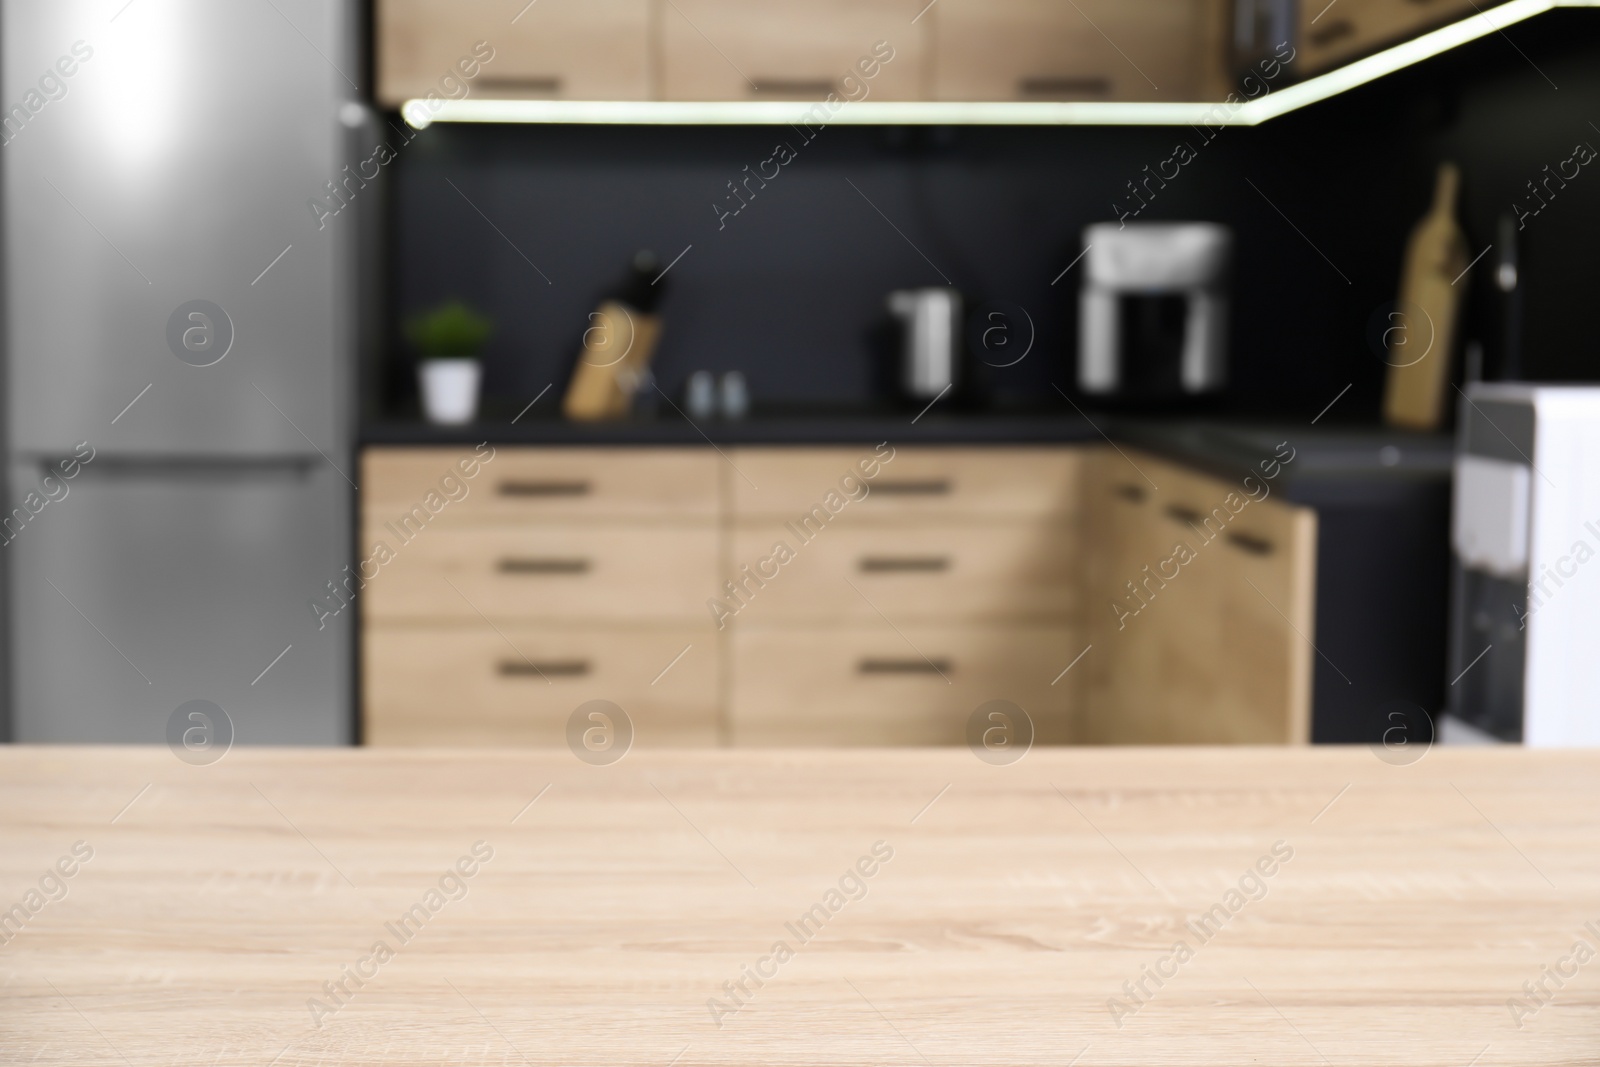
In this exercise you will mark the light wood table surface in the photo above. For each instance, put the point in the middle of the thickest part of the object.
(1017, 903)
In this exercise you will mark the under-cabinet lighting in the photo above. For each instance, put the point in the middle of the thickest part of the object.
(421, 113)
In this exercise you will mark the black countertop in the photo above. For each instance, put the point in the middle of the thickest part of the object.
(785, 428)
(1228, 448)
(1233, 449)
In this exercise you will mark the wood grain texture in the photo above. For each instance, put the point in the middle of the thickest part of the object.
(536, 485)
(1048, 50)
(516, 684)
(544, 571)
(1418, 900)
(914, 483)
(871, 684)
(946, 571)
(562, 49)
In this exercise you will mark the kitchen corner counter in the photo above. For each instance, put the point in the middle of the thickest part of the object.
(1231, 449)
(790, 428)
(699, 908)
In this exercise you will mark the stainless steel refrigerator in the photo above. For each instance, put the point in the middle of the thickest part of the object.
(179, 342)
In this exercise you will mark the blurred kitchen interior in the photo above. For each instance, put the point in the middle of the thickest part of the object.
(1150, 368)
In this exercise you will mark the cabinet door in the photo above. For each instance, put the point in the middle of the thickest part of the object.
(522, 485)
(1061, 50)
(558, 49)
(1331, 35)
(873, 684)
(1216, 646)
(600, 572)
(791, 49)
(947, 570)
(910, 485)
(493, 686)
(1121, 673)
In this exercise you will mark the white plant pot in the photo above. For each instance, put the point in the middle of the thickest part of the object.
(450, 390)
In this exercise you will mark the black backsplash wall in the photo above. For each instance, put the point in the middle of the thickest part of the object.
(788, 291)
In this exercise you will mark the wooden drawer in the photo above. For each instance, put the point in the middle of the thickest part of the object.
(472, 685)
(871, 685)
(532, 484)
(1051, 50)
(629, 573)
(915, 483)
(791, 50)
(558, 49)
(1334, 34)
(950, 570)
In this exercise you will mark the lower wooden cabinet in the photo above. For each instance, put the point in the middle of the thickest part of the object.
(915, 684)
(518, 684)
(1200, 607)
(908, 598)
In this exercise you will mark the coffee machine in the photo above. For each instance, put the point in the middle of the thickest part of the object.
(1153, 312)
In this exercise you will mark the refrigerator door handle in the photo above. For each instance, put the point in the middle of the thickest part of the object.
(176, 468)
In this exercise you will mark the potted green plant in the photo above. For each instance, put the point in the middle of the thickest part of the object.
(449, 338)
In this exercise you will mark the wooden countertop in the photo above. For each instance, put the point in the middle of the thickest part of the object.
(1027, 915)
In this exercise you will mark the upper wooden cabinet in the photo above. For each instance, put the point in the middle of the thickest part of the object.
(741, 50)
(875, 51)
(792, 49)
(1036, 50)
(552, 49)
(1331, 35)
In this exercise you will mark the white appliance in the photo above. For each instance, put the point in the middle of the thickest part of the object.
(1526, 536)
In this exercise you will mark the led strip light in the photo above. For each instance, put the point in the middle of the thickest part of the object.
(421, 113)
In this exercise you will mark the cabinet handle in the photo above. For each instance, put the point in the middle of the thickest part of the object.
(556, 668)
(1182, 514)
(1132, 493)
(808, 87)
(1334, 31)
(544, 488)
(1256, 546)
(1063, 86)
(902, 564)
(904, 666)
(926, 487)
(547, 84)
(511, 565)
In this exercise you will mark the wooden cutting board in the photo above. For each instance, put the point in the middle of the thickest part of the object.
(1420, 331)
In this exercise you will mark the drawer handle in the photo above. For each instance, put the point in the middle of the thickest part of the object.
(1063, 86)
(793, 86)
(1334, 31)
(547, 84)
(543, 566)
(557, 668)
(1132, 493)
(1182, 514)
(545, 488)
(1256, 546)
(928, 487)
(904, 666)
(904, 564)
